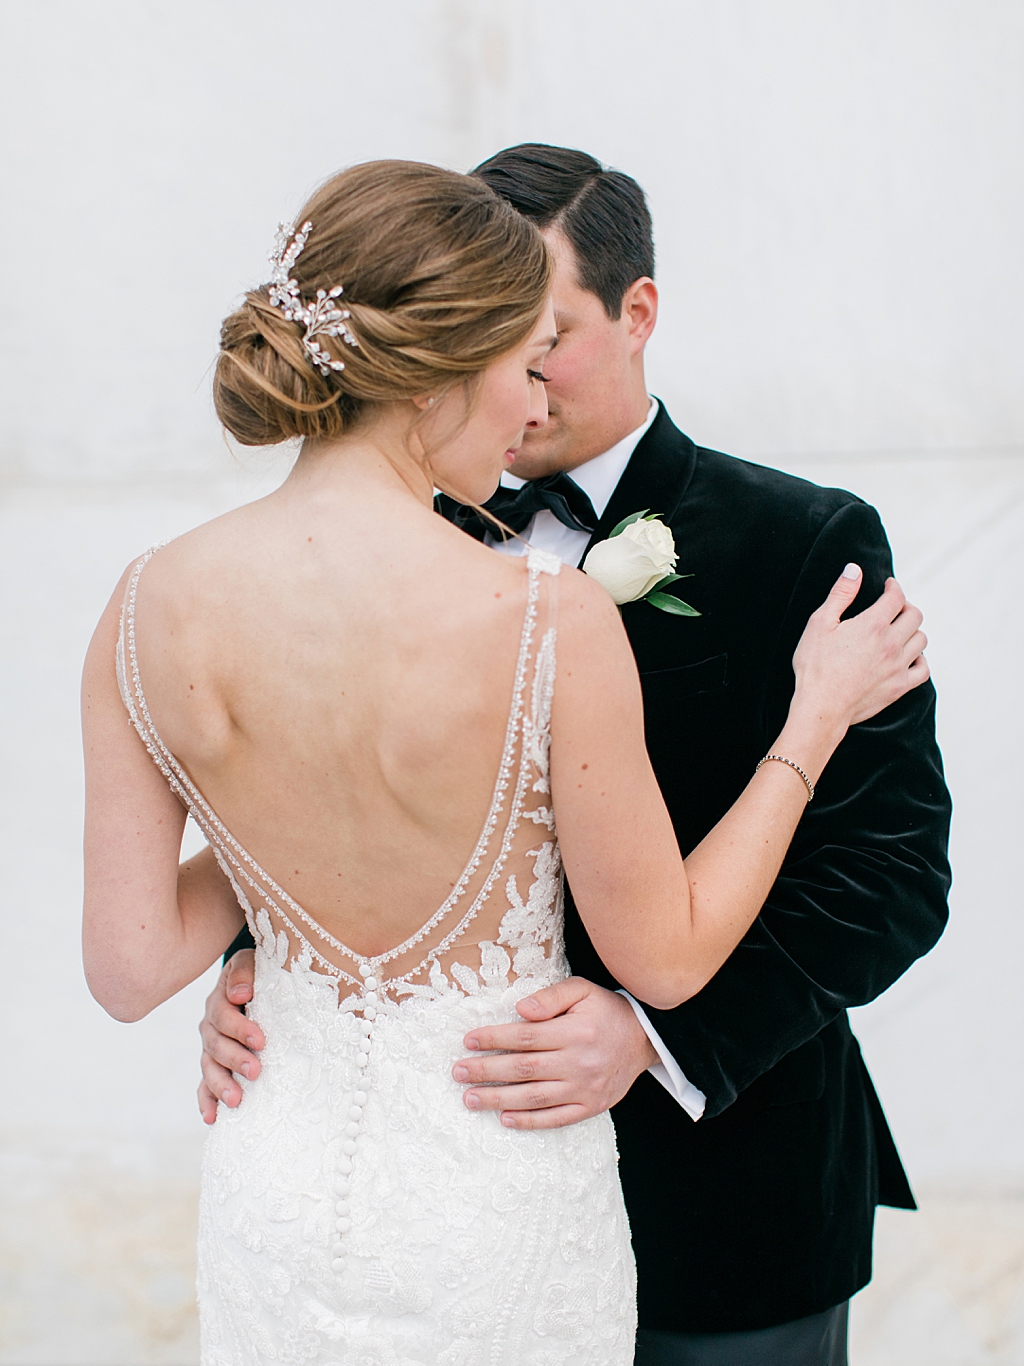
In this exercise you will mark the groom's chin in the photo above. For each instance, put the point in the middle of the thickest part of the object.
(541, 453)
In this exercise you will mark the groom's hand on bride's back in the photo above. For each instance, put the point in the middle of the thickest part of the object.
(576, 1053)
(230, 1039)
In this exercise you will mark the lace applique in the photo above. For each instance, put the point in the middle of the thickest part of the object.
(537, 728)
(528, 926)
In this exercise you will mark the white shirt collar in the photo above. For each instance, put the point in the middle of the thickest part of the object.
(599, 476)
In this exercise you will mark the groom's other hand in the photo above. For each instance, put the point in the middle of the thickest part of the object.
(578, 1051)
(230, 1039)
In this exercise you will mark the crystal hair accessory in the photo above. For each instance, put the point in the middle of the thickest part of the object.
(321, 318)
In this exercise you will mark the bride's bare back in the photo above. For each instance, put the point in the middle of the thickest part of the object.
(340, 696)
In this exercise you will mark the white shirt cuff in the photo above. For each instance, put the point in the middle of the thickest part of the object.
(668, 1071)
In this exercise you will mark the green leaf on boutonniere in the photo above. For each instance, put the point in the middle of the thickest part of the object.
(645, 515)
(669, 578)
(667, 603)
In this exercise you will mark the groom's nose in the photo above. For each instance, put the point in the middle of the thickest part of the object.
(538, 408)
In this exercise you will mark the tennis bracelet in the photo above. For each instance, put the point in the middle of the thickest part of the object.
(781, 759)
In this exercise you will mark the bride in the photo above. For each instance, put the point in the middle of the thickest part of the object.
(379, 724)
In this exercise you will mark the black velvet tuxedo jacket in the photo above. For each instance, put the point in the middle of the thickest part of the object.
(762, 1211)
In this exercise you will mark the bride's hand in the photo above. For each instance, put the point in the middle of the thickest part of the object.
(848, 671)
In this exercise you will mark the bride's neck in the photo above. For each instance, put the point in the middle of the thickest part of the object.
(385, 457)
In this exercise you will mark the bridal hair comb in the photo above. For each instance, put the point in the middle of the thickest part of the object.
(321, 318)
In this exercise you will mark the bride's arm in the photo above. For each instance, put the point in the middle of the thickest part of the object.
(145, 933)
(663, 929)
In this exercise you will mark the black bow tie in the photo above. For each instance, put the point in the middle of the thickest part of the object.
(517, 507)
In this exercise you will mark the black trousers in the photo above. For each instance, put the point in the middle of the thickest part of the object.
(816, 1341)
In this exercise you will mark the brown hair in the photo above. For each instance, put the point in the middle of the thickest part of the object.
(441, 277)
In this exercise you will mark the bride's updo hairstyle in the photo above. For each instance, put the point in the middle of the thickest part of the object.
(440, 275)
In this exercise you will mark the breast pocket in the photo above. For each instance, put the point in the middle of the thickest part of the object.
(688, 680)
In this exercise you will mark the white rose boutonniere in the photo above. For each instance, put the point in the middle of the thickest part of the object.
(636, 562)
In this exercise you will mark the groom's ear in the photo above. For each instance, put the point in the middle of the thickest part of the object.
(640, 309)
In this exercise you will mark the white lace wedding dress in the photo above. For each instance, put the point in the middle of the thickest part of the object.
(353, 1211)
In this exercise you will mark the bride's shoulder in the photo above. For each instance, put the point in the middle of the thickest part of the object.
(585, 612)
(173, 583)
(592, 641)
(169, 566)
(584, 606)
(202, 554)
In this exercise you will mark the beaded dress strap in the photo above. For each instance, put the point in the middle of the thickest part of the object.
(243, 871)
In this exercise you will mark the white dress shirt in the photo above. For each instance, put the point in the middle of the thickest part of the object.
(598, 478)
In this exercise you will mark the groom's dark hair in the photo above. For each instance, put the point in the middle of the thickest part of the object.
(603, 213)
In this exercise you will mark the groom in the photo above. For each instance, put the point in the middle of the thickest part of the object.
(753, 1147)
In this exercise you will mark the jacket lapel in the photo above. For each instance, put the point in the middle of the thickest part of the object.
(657, 477)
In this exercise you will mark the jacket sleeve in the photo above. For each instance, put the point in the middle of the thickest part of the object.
(863, 890)
(242, 940)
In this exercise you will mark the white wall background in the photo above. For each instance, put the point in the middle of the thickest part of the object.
(837, 189)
